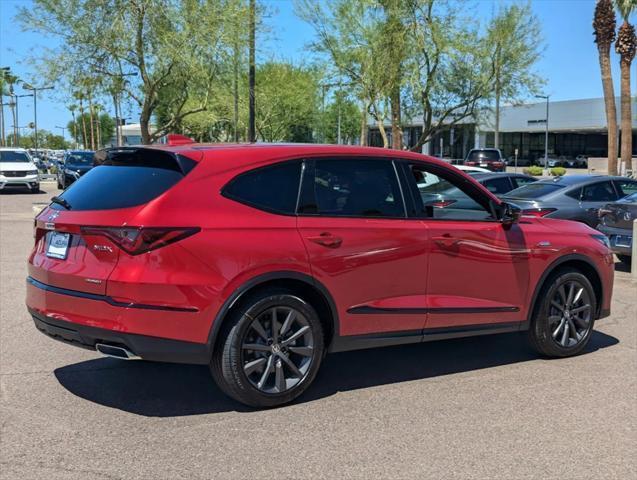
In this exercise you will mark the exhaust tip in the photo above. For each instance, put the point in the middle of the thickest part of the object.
(116, 352)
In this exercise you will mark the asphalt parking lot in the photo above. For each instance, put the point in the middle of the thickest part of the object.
(483, 408)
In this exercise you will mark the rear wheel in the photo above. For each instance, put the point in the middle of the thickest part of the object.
(563, 320)
(269, 351)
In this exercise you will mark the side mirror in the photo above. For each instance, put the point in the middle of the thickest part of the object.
(510, 214)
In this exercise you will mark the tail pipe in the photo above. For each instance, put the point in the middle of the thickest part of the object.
(116, 352)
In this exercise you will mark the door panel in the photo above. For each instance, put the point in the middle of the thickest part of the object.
(376, 270)
(478, 273)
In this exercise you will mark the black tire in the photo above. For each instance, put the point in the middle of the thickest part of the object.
(35, 189)
(625, 259)
(60, 186)
(570, 339)
(231, 358)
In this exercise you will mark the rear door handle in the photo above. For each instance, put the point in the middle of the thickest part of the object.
(445, 241)
(326, 239)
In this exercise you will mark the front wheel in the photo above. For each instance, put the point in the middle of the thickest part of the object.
(563, 321)
(269, 351)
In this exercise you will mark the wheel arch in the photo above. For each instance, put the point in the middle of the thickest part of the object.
(307, 287)
(579, 262)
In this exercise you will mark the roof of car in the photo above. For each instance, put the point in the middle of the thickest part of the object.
(241, 154)
(569, 180)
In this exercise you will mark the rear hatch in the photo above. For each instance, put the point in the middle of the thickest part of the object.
(79, 236)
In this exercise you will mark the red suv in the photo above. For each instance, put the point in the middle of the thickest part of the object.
(259, 259)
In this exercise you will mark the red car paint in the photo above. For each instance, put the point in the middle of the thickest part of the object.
(449, 273)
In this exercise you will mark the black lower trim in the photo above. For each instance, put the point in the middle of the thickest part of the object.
(367, 310)
(148, 348)
(358, 342)
(105, 298)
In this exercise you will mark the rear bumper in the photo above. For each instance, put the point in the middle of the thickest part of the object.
(79, 310)
(148, 348)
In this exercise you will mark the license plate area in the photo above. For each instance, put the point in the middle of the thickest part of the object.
(58, 245)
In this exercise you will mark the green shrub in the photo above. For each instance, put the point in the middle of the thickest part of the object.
(558, 171)
(533, 170)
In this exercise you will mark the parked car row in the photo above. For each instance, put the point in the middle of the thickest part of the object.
(493, 160)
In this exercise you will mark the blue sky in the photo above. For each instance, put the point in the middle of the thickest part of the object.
(569, 61)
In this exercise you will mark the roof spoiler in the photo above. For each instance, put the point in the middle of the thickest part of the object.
(143, 157)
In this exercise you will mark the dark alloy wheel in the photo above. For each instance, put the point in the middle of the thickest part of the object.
(269, 350)
(277, 350)
(564, 319)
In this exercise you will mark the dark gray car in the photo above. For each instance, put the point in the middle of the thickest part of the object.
(616, 222)
(572, 197)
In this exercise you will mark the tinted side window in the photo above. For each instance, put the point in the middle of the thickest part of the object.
(354, 188)
(498, 186)
(625, 187)
(273, 188)
(576, 194)
(599, 192)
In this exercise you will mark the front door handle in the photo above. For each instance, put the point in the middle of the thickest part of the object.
(445, 241)
(326, 239)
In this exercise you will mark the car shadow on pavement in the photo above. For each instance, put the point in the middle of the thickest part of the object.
(169, 390)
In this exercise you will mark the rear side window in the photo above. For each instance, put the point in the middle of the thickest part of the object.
(353, 188)
(274, 188)
(125, 179)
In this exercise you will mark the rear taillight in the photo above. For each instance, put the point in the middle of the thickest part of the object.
(537, 212)
(442, 203)
(136, 240)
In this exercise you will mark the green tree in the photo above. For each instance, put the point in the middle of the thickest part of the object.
(626, 46)
(287, 102)
(513, 41)
(349, 112)
(604, 30)
(106, 132)
(174, 46)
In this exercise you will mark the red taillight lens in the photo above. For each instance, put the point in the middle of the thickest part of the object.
(442, 203)
(136, 240)
(537, 212)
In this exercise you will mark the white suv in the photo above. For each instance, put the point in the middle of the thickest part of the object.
(18, 170)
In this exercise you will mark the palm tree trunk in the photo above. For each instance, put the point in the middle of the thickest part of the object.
(396, 130)
(611, 111)
(496, 133)
(626, 116)
(363, 140)
(3, 141)
(83, 117)
(91, 119)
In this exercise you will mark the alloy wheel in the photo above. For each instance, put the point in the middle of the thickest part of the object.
(570, 314)
(277, 350)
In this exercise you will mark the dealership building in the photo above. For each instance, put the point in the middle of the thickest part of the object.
(576, 127)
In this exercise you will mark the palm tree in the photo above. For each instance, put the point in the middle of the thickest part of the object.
(72, 109)
(604, 31)
(625, 46)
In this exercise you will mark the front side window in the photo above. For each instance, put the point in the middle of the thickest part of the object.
(353, 188)
(599, 192)
(273, 188)
(442, 198)
(626, 187)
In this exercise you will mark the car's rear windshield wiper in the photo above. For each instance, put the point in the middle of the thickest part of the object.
(61, 201)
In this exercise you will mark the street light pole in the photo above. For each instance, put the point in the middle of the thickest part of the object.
(546, 133)
(63, 130)
(35, 90)
(17, 114)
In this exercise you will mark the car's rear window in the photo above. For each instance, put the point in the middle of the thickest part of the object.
(80, 158)
(483, 155)
(534, 190)
(125, 180)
